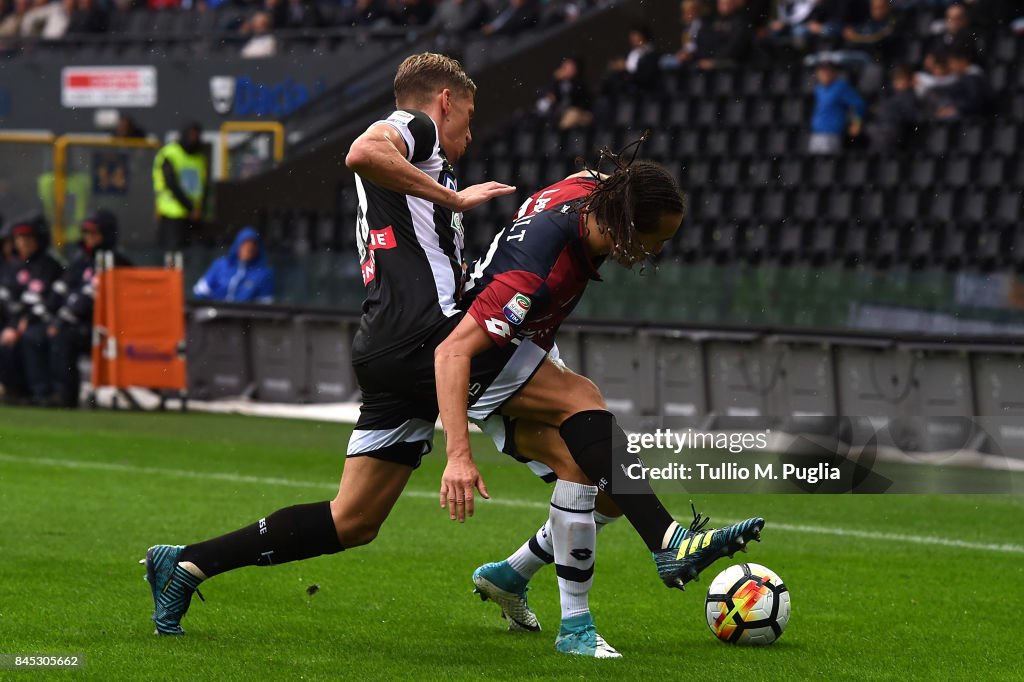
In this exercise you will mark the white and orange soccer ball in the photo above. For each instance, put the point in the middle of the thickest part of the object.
(747, 604)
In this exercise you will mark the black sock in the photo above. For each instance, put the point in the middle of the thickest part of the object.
(598, 443)
(290, 534)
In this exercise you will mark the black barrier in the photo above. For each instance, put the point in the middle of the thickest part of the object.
(854, 393)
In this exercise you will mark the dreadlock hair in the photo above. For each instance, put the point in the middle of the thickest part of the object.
(630, 200)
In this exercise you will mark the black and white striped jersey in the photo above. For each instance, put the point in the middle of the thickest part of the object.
(410, 250)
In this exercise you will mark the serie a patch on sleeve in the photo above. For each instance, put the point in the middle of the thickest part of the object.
(517, 307)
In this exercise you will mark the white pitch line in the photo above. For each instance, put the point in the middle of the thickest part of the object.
(509, 502)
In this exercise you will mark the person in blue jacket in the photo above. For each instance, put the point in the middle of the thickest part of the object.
(838, 110)
(242, 276)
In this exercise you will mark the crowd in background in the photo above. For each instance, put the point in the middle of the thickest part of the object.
(868, 39)
(260, 19)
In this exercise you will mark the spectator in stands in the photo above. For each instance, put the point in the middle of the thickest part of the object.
(128, 127)
(759, 13)
(693, 17)
(879, 35)
(261, 43)
(956, 33)
(454, 18)
(515, 17)
(24, 346)
(726, 39)
(791, 18)
(179, 182)
(897, 113)
(242, 276)
(838, 110)
(10, 26)
(359, 13)
(555, 12)
(408, 12)
(639, 70)
(303, 14)
(47, 20)
(568, 101)
(71, 305)
(967, 95)
(88, 17)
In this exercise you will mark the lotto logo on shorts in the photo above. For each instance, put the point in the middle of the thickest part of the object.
(516, 309)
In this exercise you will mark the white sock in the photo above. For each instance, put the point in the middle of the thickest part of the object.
(537, 552)
(574, 536)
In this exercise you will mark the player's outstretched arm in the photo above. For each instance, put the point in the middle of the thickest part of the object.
(452, 360)
(379, 155)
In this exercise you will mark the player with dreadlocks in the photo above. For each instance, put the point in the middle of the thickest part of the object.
(519, 293)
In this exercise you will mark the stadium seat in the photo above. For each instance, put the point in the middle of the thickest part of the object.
(325, 234)
(752, 83)
(922, 248)
(889, 172)
(855, 171)
(975, 206)
(971, 138)
(775, 204)
(1005, 48)
(923, 172)
(808, 205)
(679, 113)
(729, 172)
(839, 205)
(791, 172)
(1008, 206)
(743, 205)
(957, 171)
(1005, 139)
(760, 171)
(735, 113)
(992, 172)
(940, 206)
(748, 143)
(650, 115)
(792, 241)
(874, 205)
(823, 171)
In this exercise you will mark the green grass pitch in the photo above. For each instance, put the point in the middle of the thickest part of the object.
(883, 587)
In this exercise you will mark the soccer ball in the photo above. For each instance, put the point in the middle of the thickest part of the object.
(747, 604)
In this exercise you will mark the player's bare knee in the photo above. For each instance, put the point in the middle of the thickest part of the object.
(356, 534)
(583, 395)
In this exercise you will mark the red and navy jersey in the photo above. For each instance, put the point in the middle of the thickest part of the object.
(535, 271)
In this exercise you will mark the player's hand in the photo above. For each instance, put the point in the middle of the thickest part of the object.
(9, 337)
(457, 483)
(474, 195)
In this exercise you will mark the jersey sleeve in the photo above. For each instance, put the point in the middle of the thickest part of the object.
(418, 131)
(502, 308)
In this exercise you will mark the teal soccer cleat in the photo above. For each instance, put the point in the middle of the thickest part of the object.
(578, 637)
(172, 588)
(693, 549)
(500, 583)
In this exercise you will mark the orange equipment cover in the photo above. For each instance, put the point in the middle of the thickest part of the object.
(139, 317)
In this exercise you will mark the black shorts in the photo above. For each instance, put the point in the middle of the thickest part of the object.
(399, 409)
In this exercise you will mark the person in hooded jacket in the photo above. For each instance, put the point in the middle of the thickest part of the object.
(24, 344)
(242, 276)
(71, 304)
